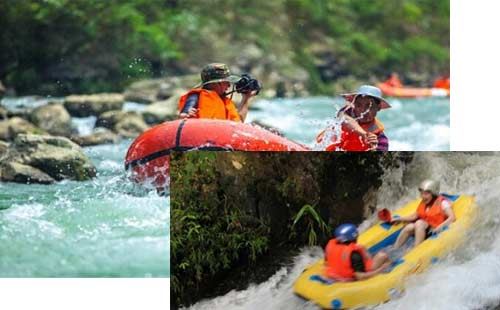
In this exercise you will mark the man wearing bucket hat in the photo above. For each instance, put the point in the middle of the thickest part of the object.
(209, 98)
(361, 130)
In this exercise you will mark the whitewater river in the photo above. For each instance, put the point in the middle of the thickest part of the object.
(468, 278)
(106, 227)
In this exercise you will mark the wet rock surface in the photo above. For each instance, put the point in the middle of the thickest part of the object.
(53, 118)
(57, 157)
(10, 128)
(99, 136)
(95, 104)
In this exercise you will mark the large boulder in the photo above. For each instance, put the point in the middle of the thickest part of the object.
(161, 111)
(52, 118)
(14, 126)
(57, 157)
(19, 173)
(99, 136)
(96, 104)
(126, 124)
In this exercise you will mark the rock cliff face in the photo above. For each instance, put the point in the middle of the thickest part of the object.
(230, 209)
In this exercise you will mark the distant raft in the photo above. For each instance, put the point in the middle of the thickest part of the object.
(147, 159)
(412, 92)
(329, 294)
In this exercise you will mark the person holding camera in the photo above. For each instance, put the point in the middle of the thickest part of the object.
(210, 98)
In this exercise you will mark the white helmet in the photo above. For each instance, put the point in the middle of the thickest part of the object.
(430, 186)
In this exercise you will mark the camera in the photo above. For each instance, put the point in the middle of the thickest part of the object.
(247, 84)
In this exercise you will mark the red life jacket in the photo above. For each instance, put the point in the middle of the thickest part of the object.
(211, 105)
(350, 140)
(434, 215)
(338, 260)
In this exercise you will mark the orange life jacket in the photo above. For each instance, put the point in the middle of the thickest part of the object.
(211, 105)
(338, 260)
(442, 83)
(433, 215)
(352, 141)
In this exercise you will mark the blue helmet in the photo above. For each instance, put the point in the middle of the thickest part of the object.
(346, 232)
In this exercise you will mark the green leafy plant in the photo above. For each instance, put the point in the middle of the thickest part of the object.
(313, 222)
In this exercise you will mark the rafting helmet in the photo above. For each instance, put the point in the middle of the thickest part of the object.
(430, 186)
(346, 232)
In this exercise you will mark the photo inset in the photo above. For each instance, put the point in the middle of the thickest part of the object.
(309, 230)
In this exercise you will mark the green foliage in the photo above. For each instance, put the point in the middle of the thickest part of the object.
(313, 221)
(62, 46)
(208, 236)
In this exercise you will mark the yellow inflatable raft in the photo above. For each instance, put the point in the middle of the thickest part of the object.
(328, 294)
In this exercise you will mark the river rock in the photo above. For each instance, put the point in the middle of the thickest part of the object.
(161, 111)
(126, 124)
(3, 113)
(52, 118)
(99, 136)
(96, 104)
(19, 173)
(58, 157)
(149, 91)
(11, 127)
(4, 146)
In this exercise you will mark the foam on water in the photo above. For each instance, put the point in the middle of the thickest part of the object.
(467, 278)
(99, 228)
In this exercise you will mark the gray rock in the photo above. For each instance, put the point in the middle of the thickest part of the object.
(99, 136)
(131, 127)
(96, 104)
(126, 124)
(19, 173)
(58, 157)
(52, 118)
(4, 146)
(3, 113)
(162, 111)
(149, 91)
(12, 127)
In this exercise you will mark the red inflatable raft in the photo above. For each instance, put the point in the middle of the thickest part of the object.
(148, 157)
(409, 92)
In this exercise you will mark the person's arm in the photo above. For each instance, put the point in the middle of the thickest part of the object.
(360, 272)
(409, 218)
(351, 124)
(190, 107)
(243, 106)
(448, 210)
(369, 274)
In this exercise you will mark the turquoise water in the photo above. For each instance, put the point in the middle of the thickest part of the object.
(411, 124)
(106, 227)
